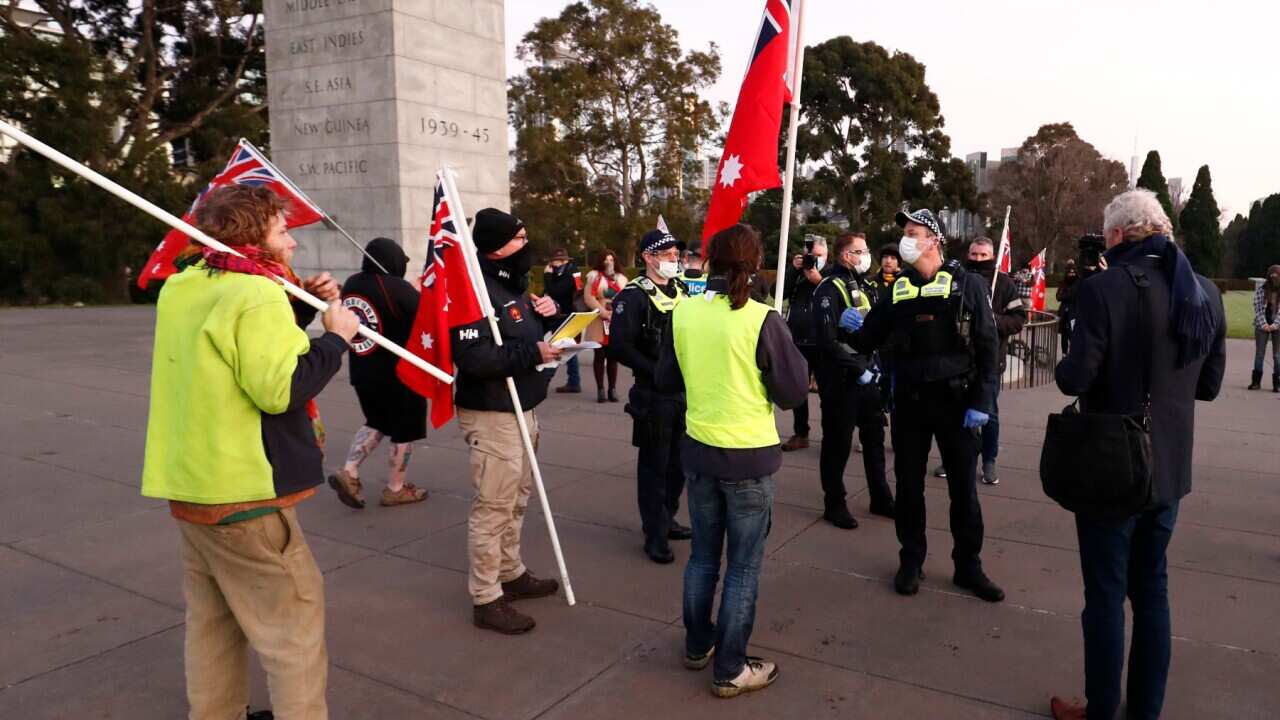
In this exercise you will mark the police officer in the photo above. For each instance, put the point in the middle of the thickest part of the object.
(641, 312)
(848, 384)
(945, 370)
(692, 273)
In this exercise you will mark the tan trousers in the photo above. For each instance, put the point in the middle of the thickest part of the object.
(503, 477)
(253, 584)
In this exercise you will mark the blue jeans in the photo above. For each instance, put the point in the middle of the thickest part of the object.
(1260, 350)
(742, 511)
(574, 371)
(1119, 559)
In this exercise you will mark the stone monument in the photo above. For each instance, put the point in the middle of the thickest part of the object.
(369, 98)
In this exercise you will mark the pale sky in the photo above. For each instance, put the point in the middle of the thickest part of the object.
(1198, 81)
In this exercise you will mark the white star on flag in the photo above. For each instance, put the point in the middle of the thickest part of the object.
(730, 171)
(427, 341)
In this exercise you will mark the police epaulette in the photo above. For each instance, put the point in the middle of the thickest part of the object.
(644, 283)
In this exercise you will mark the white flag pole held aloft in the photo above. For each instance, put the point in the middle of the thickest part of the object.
(486, 305)
(793, 128)
(325, 216)
(1000, 251)
(195, 234)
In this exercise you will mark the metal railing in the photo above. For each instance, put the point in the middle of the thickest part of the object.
(1032, 354)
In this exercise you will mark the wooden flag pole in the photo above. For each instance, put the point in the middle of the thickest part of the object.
(486, 305)
(195, 234)
(793, 128)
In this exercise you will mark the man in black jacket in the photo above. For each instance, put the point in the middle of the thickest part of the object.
(561, 281)
(801, 280)
(641, 313)
(384, 302)
(1168, 352)
(1010, 317)
(848, 384)
(500, 470)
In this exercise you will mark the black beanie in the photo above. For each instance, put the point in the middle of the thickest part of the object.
(493, 229)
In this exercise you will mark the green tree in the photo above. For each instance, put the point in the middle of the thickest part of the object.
(874, 128)
(1260, 242)
(1057, 186)
(1201, 233)
(1232, 254)
(113, 85)
(609, 92)
(1152, 178)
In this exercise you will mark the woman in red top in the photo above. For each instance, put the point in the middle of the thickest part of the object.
(604, 282)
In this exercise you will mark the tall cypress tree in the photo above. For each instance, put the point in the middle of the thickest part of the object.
(1152, 178)
(1201, 234)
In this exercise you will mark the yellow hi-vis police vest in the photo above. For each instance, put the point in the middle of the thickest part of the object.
(864, 303)
(661, 302)
(728, 406)
(939, 287)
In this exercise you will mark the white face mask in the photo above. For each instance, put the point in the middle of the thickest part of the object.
(909, 250)
(668, 269)
(820, 262)
(864, 263)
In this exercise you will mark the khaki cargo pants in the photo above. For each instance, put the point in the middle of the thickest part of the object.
(502, 476)
(253, 584)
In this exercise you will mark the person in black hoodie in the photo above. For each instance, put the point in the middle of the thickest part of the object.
(500, 470)
(798, 285)
(387, 303)
(562, 281)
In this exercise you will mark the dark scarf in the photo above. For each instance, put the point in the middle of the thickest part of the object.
(1189, 310)
(507, 273)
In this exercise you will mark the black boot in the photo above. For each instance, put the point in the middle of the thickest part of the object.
(658, 550)
(1257, 380)
(979, 584)
(907, 580)
(838, 514)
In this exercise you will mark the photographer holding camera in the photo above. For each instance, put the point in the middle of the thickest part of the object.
(806, 272)
(1148, 341)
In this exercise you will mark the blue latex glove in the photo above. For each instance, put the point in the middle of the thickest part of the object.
(974, 419)
(851, 320)
(868, 376)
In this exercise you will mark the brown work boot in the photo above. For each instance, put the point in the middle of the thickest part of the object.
(348, 488)
(501, 617)
(406, 495)
(795, 442)
(528, 587)
(1067, 710)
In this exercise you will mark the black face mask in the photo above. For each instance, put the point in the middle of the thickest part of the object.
(985, 268)
(512, 270)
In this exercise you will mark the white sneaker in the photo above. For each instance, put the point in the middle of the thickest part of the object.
(757, 674)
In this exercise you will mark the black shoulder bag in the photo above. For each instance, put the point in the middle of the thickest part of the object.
(1100, 464)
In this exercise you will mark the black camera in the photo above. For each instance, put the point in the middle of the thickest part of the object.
(1091, 247)
(809, 261)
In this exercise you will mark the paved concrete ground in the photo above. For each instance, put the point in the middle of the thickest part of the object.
(91, 609)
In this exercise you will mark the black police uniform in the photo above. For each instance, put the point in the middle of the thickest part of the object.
(799, 291)
(635, 334)
(845, 403)
(945, 362)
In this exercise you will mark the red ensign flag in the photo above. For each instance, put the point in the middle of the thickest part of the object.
(448, 300)
(1037, 281)
(750, 160)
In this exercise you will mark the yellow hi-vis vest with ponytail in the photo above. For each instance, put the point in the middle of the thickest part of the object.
(728, 406)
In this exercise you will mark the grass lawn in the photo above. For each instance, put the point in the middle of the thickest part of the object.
(1238, 303)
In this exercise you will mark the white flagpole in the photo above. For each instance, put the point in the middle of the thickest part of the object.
(195, 234)
(324, 214)
(1000, 251)
(793, 128)
(477, 279)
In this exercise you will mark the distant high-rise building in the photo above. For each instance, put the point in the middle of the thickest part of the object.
(982, 169)
(1009, 154)
(1175, 190)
